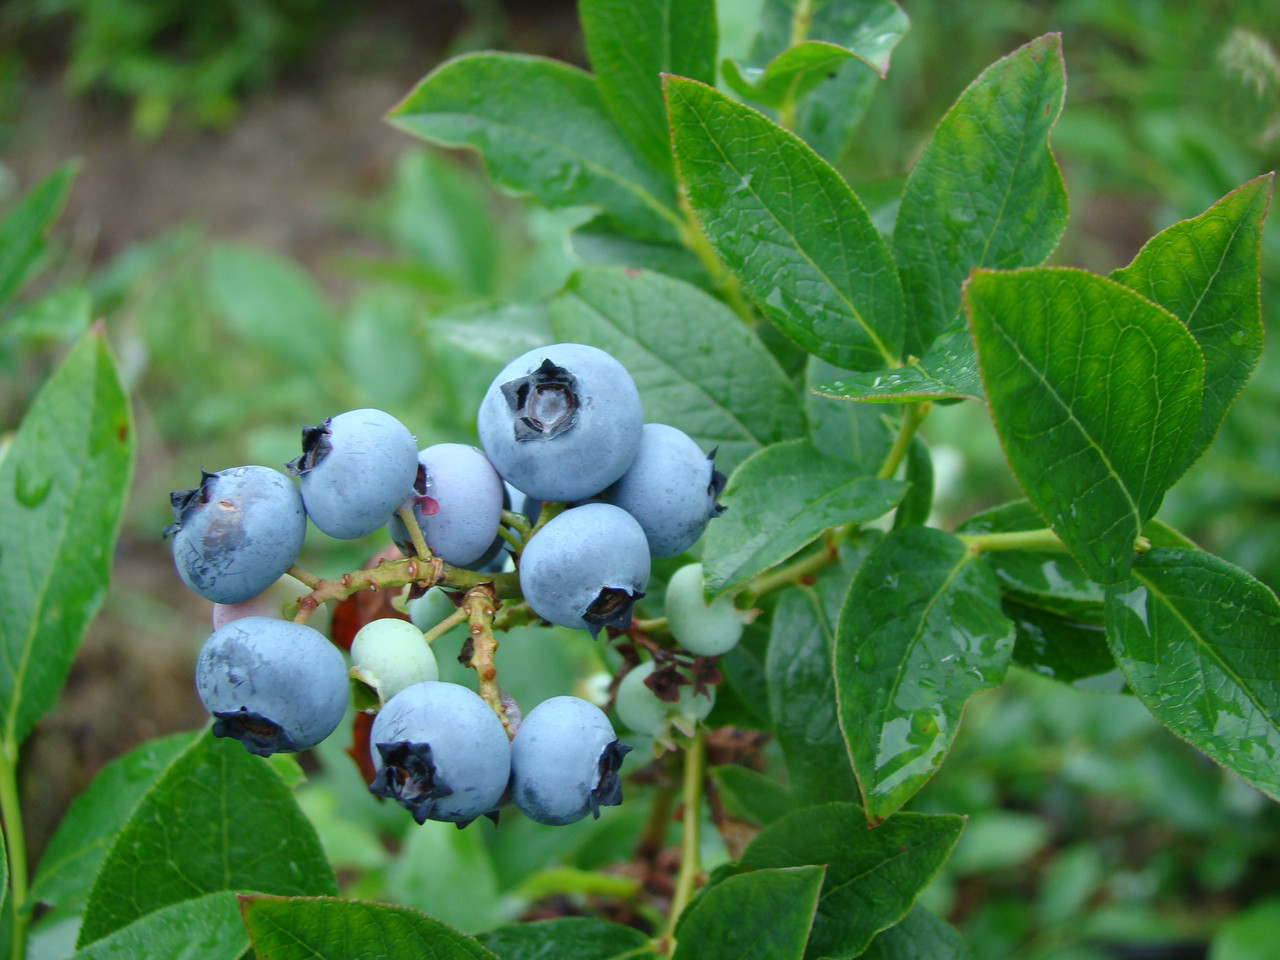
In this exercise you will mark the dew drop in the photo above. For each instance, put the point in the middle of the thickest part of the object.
(30, 490)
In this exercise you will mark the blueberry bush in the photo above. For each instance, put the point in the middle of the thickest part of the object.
(706, 478)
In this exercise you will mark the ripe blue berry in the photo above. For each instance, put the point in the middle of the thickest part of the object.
(441, 753)
(458, 504)
(565, 760)
(274, 685)
(236, 533)
(670, 488)
(707, 630)
(389, 654)
(356, 469)
(561, 422)
(586, 568)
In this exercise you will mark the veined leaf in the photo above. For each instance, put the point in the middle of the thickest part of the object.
(790, 229)
(1195, 638)
(948, 369)
(1095, 393)
(1205, 272)
(762, 915)
(205, 928)
(542, 128)
(986, 192)
(74, 447)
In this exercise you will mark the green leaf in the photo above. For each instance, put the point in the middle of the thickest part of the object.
(87, 831)
(542, 128)
(920, 935)
(1250, 934)
(790, 229)
(1095, 393)
(873, 876)
(920, 632)
(22, 232)
(780, 500)
(870, 29)
(219, 819)
(1205, 272)
(449, 873)
(493, 331)
(916, 506)
(596, 244)
(696, 365)
(1057, 646)
(948, 369)
(631, 43)
(204, 928)
(579, 938)
(791, 75)
(1195, 638)
(802, 692)
(752, 795)
(763, 915)
(852, 431)
(273, 304)
(986, 192)
(73, 448)
(305, 928)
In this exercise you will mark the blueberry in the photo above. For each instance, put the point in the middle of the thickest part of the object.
(561, 422)
(707, 630)
(274, 685)
(441, 752)
(458, 504)
(670, 488)
(564, 762)
(641, 710)
(356, 468)
(389, 655)
(586, 568)
(236, 533)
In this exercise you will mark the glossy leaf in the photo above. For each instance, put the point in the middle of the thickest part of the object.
(802, 694)
(23, 230)
(696, 365)
(986, 192)
(630, 44)
(596, 244)
(236, 825)
(1095, 393)
(752, 795)
(1195, 638)
(790, 229)
(87, 831)
(780, 500)
(916, 506)
(304, 928)
(1059, 647)
(920, 935)
(854, 432)
(1205, 272)
(869, 28)
(542, 128)
(790, 76)
(74, 447)
(948, 369)
(873, 876)
(579, 938)
(762, 915)
(920, 632)
(204, 928)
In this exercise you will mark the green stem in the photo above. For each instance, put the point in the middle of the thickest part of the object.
(690, 844)
(444, 626)
(479, 606)
(797, 570)
(912, 416)
(15, 842)
(722, 279)
(801, 20)
(420, 547)
(1044, 540)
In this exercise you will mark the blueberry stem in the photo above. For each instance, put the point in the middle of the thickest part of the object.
(549, 512)
(1040, 540)
(690, 864)
(15, 841)
(306, 576)
(517, 522)
(480, 605)
(796, 571)
(444, 626)
(415, 532)
(913, 415)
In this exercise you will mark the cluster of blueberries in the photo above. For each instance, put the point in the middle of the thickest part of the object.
(560, 424)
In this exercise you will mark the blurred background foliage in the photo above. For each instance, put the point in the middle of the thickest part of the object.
(1092, 833)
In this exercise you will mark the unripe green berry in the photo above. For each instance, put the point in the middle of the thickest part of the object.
(702, 629)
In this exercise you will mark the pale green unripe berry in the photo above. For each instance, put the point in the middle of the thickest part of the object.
(390, 655)
(640, 709)
(704, 630)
